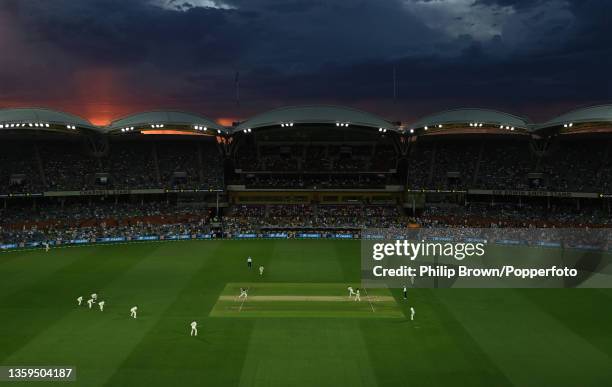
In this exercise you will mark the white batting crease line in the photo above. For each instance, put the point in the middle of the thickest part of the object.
(370, 301)
(242, 303)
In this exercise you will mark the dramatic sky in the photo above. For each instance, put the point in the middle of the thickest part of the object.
(103, 59)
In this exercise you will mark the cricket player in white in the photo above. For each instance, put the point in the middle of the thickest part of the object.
(46, 247)
(405, 293)
(90, 303)
(101, 305)
(133, 311)
(94, 297)
(351, 291)
(243, 293)
(249, 262)
(80, 300)
(357, 295)
(194, 328)
(411, 313)
(261, 269)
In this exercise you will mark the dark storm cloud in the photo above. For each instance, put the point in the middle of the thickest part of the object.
(498, 53)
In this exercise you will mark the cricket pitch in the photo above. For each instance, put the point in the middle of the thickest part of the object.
(316, 300)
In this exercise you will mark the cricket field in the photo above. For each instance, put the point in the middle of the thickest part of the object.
(296, 328)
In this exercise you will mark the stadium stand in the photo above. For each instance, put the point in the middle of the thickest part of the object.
(165, 173)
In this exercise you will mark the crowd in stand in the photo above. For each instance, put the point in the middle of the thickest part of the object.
(566, 166)
(576, 165)
(30, 167)
(98, 219)
(318, 181)
(317, 158)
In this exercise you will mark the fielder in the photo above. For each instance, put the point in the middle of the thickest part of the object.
(101, 305)
(412, 313)
(351, 291)
(80, 300)
(90, 303)
(405, 293)
(133, 311)
(357, 295)
(94, 297)
(261, 269)
(46, 247)
(249, 262)
(243, 293)
(194, 328)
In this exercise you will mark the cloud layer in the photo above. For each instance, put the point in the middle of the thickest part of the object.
(104, 58)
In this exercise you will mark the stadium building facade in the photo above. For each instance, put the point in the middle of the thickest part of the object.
(303, 167)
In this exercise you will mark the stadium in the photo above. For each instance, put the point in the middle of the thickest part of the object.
(161, 209)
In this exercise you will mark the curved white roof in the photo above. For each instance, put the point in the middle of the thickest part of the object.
(163, 117)
(467, 115)
(315, 114)
(600, 113)
(41, 115)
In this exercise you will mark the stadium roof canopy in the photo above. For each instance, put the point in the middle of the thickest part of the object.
(315, 114)
(592, 114)
(41, 119)
(464, 118)
(165, 120)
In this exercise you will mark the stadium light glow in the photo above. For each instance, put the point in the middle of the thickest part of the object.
(440, 125)
(512, 128)
(425, 128)
(411, 130)
(1, 126)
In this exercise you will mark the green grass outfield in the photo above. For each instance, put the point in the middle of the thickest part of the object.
(460, 337)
